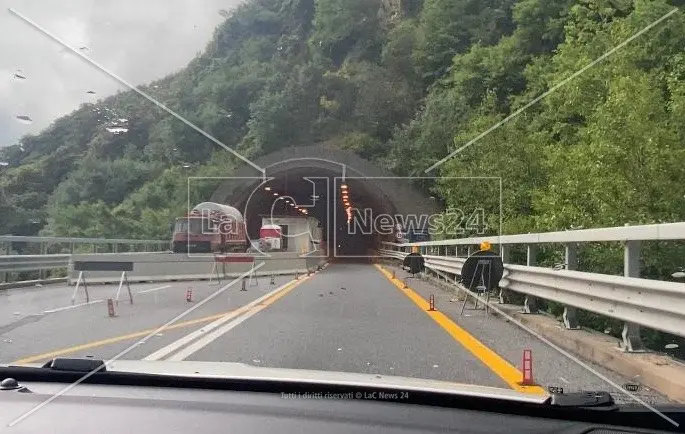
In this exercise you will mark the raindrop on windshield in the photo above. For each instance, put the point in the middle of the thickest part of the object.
(24, 119)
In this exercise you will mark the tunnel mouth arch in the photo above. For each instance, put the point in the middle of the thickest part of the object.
(301, 173)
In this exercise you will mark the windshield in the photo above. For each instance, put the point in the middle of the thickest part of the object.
(192, 226)
(528, 154)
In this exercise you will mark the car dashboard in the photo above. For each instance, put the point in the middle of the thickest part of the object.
(114, 403)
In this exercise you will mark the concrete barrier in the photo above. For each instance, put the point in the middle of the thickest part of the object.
(158, 267)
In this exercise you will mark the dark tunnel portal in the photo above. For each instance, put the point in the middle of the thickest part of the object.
(321, 194)
(370, 189)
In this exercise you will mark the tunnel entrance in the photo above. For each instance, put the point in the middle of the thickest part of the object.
(354, 202)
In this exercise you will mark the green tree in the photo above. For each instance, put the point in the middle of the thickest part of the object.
(347, 28)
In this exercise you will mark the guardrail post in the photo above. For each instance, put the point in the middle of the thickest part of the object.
(43, 251)
(4, 275)
(570, 313)
(530, 303)
(505, 253)
(630, 336)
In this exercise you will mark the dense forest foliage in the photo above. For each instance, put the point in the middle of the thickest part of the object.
(402, 83)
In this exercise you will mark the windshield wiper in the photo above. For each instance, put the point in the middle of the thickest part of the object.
(76, 365)
(602, 401)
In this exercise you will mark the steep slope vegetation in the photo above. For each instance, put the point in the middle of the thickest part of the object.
(401, 82)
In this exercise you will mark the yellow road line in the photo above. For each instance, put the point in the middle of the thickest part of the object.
(56, 353)
(505, 370)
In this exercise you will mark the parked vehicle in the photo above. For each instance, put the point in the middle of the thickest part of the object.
(270, 237)
(210, 227)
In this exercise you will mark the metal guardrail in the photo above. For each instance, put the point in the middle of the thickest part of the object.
(76, 240)
(656, 232)
(17, 263)
(655, 304)
(652, 303)
(44, 259)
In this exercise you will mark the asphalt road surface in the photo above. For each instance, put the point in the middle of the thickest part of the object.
(348, 317)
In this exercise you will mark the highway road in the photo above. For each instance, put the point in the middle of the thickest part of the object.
(349, 317)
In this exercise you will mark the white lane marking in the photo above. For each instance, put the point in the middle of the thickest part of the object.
(176, 345)
(211, 337)
(109, 362)
(564, 380)
(154, 289)
(163, 352)
(60, 309)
